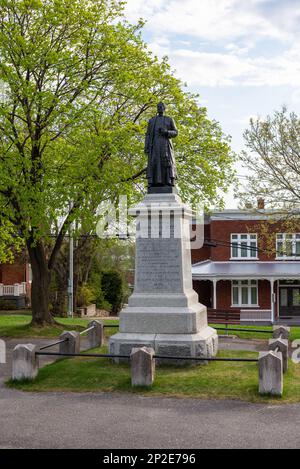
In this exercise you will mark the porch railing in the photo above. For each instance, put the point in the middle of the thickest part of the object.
(18, 289)
(223, 316)
(256, 315)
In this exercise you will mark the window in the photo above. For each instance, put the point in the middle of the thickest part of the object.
(244, 293)
(287, 245)
(244, 246)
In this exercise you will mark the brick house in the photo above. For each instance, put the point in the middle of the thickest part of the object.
(240, 275)
(15, 283)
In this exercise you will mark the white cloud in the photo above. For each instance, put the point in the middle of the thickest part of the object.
(207, 19)
(226, 69)
(231, 31)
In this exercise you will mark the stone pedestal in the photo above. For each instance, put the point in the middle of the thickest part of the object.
(163, 312)
(142, 366)
(270, 373)
(95, 336)
(72, 342)
(25, 362)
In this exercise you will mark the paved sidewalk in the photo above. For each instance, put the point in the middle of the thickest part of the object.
(107, 420)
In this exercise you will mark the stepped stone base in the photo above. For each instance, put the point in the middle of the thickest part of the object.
(203, 344)
(164, 320)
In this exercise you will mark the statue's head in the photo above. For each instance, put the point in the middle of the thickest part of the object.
(161, 108)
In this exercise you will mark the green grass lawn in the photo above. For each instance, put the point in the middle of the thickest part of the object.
(217, 380)
(16, 312)
(13, 325)
(295, 331)
(19, 326)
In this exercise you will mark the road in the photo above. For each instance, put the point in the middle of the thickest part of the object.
(110, 420)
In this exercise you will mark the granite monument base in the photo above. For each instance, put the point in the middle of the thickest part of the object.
(164, 312)
(203, 344)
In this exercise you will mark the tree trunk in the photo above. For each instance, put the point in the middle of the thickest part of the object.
(40, 287)
(58, 293)
(59, 302)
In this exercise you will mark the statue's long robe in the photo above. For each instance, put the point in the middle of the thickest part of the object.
(161, 163)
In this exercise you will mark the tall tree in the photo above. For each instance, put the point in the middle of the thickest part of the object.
(10, 241)
(80, 85)
(273, 161)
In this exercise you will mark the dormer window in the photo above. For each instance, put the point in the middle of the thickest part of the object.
(244, 246)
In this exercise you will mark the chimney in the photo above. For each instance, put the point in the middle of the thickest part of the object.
(260, 203)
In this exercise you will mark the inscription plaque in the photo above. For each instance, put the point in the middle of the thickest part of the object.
(158, 266)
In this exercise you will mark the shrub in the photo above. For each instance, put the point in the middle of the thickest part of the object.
(7, 305)
(112, 286)
(86, 295)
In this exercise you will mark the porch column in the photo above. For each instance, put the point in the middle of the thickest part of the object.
(214, 293)
(272, 300)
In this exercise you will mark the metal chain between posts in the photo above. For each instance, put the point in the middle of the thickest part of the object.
(65, 340)
(242, 330)
(161, 357)
(55, 343)
(86, 330)
(219, 329)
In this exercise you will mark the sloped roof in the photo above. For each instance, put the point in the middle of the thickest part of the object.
(246, 269)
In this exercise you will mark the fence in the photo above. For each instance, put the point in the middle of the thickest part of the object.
(272, 363)
(223, 316)
(17, 289)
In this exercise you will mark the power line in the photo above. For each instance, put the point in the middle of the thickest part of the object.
(217, 242)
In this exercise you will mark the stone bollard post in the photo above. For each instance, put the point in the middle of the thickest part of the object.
(72, 345)
(283, 331)
(283, 347)
(25, 362)
(95, 336)
(270, 373)
(142, 366)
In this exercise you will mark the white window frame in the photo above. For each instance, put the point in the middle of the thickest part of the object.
(281, 238)
(239, 284)
(239, 238)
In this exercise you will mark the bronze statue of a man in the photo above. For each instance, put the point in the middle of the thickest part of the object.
(159, 148)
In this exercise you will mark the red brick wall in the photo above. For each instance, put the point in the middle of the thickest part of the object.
(221, 230)
(204, 290)
(12, 273)
(204, 253)
(223, 294)
(264, 294)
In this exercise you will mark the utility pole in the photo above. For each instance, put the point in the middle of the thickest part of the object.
(71, 271)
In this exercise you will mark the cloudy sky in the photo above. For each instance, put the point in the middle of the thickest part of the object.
(241, 56)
